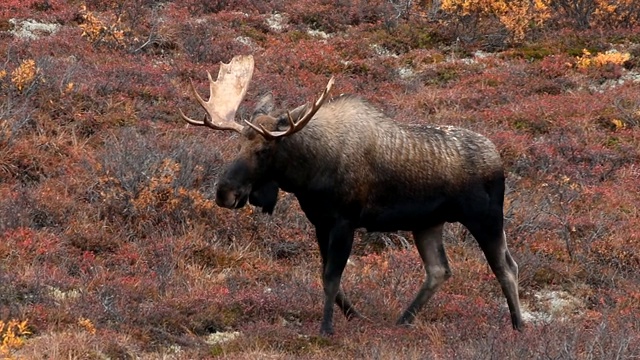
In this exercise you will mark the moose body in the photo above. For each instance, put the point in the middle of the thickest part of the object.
(351, 167)
(351, 162)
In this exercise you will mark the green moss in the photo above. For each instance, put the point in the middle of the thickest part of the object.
(216, 350)
(254, 34)
(532, 126)
(320, 341)
(405, 37)
(447, 74)
(231, 316)
(612, 142)
(577, 51)
(296, 35)
(493, 83)
(533, 52)
(577, 47)
(519, 125)
(357, 68)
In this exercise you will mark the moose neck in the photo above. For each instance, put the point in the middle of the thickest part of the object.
(302, 161)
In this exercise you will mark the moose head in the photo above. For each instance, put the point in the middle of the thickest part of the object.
(249, 176)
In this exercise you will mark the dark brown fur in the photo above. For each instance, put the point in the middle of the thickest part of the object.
(352, 167)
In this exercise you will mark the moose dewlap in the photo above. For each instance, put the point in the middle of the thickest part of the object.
(350, 167)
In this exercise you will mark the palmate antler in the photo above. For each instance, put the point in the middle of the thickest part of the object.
(227, 92)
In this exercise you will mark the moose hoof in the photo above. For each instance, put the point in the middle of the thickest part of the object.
(353, 315)
(326, 330)
(405, 320)
(517, 324)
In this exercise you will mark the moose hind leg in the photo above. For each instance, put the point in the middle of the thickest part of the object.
(346, 306)
(494, 245)
(434, 258)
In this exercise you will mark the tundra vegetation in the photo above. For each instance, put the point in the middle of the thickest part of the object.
(111, 245)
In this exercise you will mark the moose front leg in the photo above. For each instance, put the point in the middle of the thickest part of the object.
(323, 236)
(335, 247)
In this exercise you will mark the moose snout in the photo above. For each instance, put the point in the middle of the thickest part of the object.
(225, 199)
(231, 199)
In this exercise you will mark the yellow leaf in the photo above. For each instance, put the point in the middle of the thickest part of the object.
(618, 124)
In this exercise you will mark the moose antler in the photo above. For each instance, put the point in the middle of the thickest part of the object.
(295, 126)
(226, 93)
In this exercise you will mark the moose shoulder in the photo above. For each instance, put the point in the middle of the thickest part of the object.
(351, 167)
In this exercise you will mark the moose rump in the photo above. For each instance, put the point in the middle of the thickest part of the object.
(352, 167)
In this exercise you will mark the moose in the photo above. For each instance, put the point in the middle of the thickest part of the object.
(351, 167)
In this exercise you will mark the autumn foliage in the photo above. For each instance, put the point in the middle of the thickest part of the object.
(111, 245)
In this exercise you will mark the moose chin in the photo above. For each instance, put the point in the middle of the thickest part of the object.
(350, 166)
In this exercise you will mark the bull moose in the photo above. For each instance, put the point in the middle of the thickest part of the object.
(351, 167)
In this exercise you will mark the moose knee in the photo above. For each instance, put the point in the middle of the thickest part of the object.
(437, 274)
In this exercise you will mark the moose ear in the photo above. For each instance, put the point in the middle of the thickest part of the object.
(298, 112)
(264, 106)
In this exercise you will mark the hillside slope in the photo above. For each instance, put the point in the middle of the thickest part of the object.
(111, 245)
